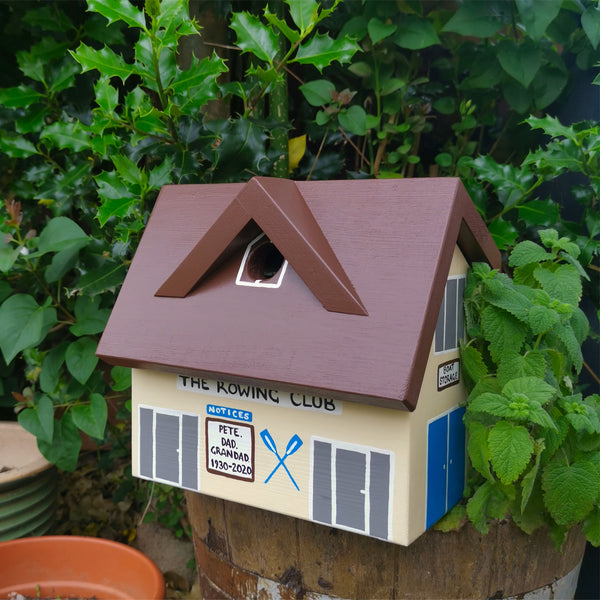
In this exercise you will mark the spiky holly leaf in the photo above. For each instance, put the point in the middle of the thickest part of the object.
(322, 50)
(254, 37)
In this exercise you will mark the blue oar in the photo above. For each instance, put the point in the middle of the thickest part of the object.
(292, 446)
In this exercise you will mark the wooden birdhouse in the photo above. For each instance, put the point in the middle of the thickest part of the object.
(295, 347)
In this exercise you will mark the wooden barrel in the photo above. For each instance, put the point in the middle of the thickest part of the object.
(244, 552)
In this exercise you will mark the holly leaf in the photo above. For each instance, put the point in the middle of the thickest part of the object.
(117, 10)
(254, 37)
(570, 490)
(322, 50)
(104, 60)
(511, 448)
(303, 13)
(16, 146)
(19, 97)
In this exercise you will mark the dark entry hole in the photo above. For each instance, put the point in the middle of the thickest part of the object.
(264, 262)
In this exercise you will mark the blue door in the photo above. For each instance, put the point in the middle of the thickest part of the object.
(445, 464)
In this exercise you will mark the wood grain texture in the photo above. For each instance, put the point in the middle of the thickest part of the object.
(393, 240)
(327, 562)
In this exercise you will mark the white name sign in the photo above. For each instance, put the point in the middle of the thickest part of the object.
(262, 395)
(230, 449)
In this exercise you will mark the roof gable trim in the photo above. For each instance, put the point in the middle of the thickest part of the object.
(279, 209)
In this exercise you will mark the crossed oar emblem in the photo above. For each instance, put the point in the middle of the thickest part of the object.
(292, 446)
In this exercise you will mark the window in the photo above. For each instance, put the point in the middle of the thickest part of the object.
(450, 324)
(168, 447)
(351, 487)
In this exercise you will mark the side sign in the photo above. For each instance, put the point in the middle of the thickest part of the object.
(230, 449)
(448, 374)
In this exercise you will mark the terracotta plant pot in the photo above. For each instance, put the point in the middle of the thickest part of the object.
(81, 567)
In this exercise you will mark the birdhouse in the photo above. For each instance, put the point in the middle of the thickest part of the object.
(294, 347)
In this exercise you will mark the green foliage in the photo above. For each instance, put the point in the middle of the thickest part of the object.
(432, 85)
(89, 135)
(533, 442)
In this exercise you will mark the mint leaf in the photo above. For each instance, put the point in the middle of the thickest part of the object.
(472, 363)
(591, 527)
(563, 284)
(503, 332)
(513, 365)
(511, 448)
(570, 490)
(533, 387)
(493, 404)
(528, 252)
(477, 446)
(542, 319)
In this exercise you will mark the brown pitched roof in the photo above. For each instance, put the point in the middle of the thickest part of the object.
(355, 314)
